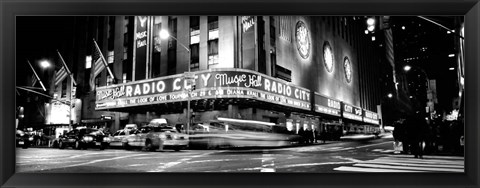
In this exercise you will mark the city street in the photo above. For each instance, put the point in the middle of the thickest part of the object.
(350, 156)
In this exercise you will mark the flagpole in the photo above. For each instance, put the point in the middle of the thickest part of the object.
(66, 67)
(36, 75)
(103, 58)
(72, 81)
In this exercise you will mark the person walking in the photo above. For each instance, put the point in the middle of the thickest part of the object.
(416, 128)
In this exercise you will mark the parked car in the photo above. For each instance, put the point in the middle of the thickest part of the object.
(84, 138)
(152, 137)
(22, 139)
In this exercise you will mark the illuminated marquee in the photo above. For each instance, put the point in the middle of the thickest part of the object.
(326, 105)
(370, 117)
(352, 112)
(216, 83)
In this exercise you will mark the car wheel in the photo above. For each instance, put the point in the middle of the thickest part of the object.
(177, 148)
(149, 145)
(78, 145)
(61, 145)
(103, 146)
(126, 146)
(25, 145)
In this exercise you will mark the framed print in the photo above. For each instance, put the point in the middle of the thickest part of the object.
(239, 94)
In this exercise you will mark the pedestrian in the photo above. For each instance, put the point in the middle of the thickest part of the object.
(315, 135)
(323, 135)
(301, 133)
(416, 128)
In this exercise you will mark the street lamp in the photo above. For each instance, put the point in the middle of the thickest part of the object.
(164, 34)
(390, 95)
(45, 64)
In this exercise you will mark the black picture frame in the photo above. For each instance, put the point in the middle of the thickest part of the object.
(10, 9)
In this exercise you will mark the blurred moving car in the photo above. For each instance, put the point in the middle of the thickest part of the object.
(236, 133)
(84, 138)
(116, 140)
(22, 139)
(153, 137)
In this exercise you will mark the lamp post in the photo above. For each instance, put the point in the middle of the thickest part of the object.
(164, 34)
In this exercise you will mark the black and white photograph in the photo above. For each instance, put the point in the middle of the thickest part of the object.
(240, 94)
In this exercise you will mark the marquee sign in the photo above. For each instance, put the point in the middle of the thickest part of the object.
(370, 117)
(326, 105)
(352, 112)
(215, 83)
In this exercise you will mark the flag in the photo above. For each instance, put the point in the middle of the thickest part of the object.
(63, 72)
(60, 75)
(98, 65)
(34, 80)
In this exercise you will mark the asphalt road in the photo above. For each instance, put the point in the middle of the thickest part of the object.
(366, 156)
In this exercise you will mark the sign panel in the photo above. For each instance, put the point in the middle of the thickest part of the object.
(215, 83)
(370, 117)
(352, 112)
(141, 36)
(326, 105)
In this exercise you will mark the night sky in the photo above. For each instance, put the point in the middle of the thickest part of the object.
(37, 38)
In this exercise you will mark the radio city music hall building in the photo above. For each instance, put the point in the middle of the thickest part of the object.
(295, 71)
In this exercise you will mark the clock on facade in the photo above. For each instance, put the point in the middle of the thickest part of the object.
(348, 69)
(302, 37)
(328, 57)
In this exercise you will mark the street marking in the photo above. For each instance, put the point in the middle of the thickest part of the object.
(314, 164)
(373, 145)
(101, 160)
(429, 157)
(268, 164)
(218, 160)
(357, 169)
(162, 168)
(409, 168)
(409, 164)
(400, 164)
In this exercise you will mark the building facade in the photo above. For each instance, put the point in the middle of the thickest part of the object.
(296, 71)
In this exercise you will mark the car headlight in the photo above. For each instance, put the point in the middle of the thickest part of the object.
(88, 138)
(174, 136)
(106, 139)
(163, 137)
(30, 138)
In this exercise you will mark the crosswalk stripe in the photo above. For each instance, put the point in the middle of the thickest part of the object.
(387, 151)
(357, 169)
(423, 161)
(408, 164)
(409, 168)
(403, 164)
(429, 157)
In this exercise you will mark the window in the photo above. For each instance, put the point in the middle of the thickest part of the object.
(97, 81)
(212, 52)
(111, 32)
(109, 80)
(110, 57)
(194, 29)
(212, 27)
(194, 56)
(64, 88)
(212, 40)
(88, 62)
